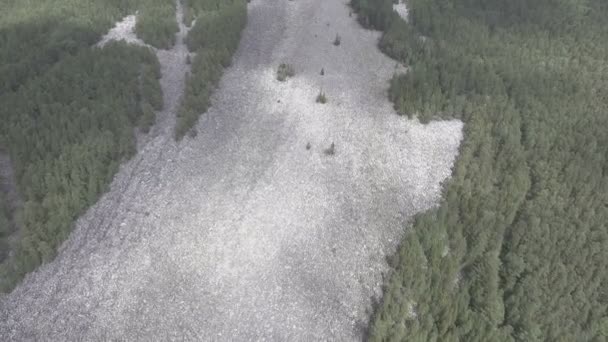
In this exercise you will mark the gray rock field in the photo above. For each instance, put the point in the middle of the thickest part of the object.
(242, 233)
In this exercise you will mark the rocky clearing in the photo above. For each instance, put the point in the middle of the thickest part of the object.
(242, 233)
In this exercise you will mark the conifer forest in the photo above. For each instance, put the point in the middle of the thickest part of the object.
(303, 170)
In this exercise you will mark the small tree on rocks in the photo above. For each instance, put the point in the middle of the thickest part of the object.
(337, 40)
(285, 71)
(331, 150)
(321, 98)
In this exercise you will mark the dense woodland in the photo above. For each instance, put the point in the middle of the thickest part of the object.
(214, 38)
(518, 248)
(69, 111)
(156, 23)
(5, 226)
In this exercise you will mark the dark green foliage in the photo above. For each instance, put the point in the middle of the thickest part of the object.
(68, 113)
(4, 223)
(68, 130)
(156, 23)
(321, 98)
(218, 27)
(195, 8)
(206, 72)
(374, 13)
(35, 37)
(284, 71)
(518, 249)
(147, 118)
(214, 38)
(5, 228)
(150, 87)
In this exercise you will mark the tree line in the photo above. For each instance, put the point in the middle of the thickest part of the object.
(68, 116)
(214, 38)
(517, 249)
(69, 111)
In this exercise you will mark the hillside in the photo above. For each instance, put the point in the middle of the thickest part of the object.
(272, 216)
(517, 250)
(435, 170)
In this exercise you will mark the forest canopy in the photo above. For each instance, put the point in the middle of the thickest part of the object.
(518, 248)
(69, 111)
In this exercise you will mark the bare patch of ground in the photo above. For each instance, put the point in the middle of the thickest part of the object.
(401, 9)
(123, 30)
(244, 233)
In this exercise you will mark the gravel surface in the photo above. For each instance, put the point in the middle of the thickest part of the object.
(243, 233)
